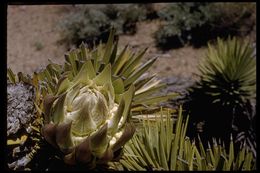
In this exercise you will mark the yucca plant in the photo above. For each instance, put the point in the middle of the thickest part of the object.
(163, 145)
(87, 103)
(230, 72)
(226, 87)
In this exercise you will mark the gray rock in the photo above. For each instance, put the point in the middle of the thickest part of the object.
(179, 85)
(20, 106)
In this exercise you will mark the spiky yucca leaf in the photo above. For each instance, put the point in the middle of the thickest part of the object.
(229, 72)
(225, 93)
(160, 146)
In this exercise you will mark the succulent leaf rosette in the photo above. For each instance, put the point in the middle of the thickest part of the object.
(88, 102)
(83, 119)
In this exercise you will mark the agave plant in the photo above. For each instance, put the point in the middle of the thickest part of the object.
(87, 103)
(163, 145)
(226, 87)
(83, 118)
(127, 68)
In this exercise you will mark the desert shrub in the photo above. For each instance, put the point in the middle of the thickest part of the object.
(197, 23)
(92, 24)
(221, 101)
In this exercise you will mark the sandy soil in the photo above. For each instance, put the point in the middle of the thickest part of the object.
(32, 36)
(32, 39)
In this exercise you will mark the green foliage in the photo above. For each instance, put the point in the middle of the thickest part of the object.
(233, 18)
(226, 87)
(117, 73)
(196, 23)
(229, 71)
(163, 145)
(126, 69)
(180, 19)
(91, 23)
(38, 45)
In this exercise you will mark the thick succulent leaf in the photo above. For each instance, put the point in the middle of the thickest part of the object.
(49, 133)
(58, 109)
(88, 66)
(25, 79)
(83, 151)
(63, 85)
(127, 134)
(148, 85)
(63, 137)
(35, 82)
(120, 61)
(127, 96)
(83, 52)
(113, 122)
(99, 141)
(71, 59)
(114, 53)
(108, 91)
(83, 122)
(109, 46)
(70, 158)
(133, 77)
(47, 105)
(83, 76)
(118, 85)
(147, 92)
(143, 80)
(54, 69)
(107, 156)
(95, 59)
(104, 77)
(11, 76)
(71, 94)
(130, 67)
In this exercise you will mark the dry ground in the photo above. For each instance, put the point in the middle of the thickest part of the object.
(32, 39)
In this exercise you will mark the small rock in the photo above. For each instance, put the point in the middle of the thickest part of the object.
(20, 106)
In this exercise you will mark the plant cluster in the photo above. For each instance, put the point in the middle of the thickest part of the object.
(162, 144)
(196, 23)
(92, 111)
(222, 97)
(92, 24)
(87, 103)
